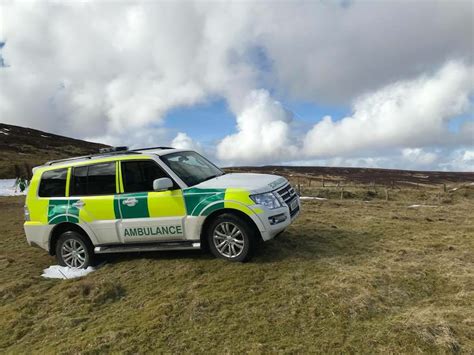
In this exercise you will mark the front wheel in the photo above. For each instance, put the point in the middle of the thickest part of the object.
(231, 238)
(73, 250)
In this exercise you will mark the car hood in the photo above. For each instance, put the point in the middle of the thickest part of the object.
(254, 183)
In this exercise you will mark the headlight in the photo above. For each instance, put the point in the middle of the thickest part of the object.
(267, 199)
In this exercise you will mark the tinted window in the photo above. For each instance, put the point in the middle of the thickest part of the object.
(79, 181)
(53, 183)
(138, 176)
(97, 179)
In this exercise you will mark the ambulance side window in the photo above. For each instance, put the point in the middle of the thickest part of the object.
(53, 183)
(138, 176)
(96, 179)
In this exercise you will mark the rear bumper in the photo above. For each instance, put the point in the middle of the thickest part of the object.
(270, 230)
(37, 234)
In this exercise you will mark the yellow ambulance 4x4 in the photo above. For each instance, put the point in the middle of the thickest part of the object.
(152, 199)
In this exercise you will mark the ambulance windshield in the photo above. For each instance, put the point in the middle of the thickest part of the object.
(191, 167)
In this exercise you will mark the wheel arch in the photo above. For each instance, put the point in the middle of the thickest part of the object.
(249, 220)
(60, 229)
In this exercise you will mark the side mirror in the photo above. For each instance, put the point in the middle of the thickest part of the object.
(162, 184)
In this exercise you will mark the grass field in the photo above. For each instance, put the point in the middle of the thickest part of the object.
(347, 276)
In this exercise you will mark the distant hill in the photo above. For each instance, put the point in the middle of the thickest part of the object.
(332, 175)
(26, 148)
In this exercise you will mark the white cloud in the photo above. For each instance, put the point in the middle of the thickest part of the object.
(459, 160)
(113, 70)
(409, 113)
(418, 156)
(263, 132)
(183, 141)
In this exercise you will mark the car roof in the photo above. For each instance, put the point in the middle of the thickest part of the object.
(107, 157)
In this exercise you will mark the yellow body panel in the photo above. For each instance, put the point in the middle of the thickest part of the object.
(166, 204)
(38, 206)
(97, 208)
(68, 181)
(238, 195)
(239, 199)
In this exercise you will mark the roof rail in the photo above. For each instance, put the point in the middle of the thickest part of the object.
(151, 148)
(120, 152)
(106, 152)
(67, 159)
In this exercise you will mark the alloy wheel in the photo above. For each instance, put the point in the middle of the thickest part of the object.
(228, 239)
(73, 253)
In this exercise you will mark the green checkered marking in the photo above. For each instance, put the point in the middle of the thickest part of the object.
(197, 200)
(140, 210)
(62, 211)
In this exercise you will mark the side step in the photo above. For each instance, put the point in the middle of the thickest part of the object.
(125, 248)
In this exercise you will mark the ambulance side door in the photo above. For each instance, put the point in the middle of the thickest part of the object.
(92, 191)
(148, 215)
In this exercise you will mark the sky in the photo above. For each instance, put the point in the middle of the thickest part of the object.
(335, 83)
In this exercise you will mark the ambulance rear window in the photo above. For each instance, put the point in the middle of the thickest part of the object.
(97, 179)
(53, 183)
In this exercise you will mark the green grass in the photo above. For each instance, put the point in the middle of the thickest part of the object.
(348, 276)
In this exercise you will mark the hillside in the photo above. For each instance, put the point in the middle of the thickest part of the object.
(379, 261)
(349, 276)
(26, 148)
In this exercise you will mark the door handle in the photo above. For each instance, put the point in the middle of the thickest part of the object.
(79, 204)
(130, 202)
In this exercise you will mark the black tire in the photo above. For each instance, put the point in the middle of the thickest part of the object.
(83, 258)
(242, 245)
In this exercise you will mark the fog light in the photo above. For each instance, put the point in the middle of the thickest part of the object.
(277, 218)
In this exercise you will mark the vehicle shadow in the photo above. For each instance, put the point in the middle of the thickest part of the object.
(296, 243)
(114, 258)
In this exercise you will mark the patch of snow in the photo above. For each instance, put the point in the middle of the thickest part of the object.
(416, 206)
(45, 136)
(313, 198)
(6, 129)
(5, 133)
(64, 272)
(7, 188)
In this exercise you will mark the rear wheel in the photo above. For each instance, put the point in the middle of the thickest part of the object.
(231, 238)
(73, 250)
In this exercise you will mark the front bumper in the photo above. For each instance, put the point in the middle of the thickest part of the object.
(269, 230)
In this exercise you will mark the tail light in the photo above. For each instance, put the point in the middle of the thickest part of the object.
(27, 213)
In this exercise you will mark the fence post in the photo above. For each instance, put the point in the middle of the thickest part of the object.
(386, 194)
(342, 192)
(323, 181)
